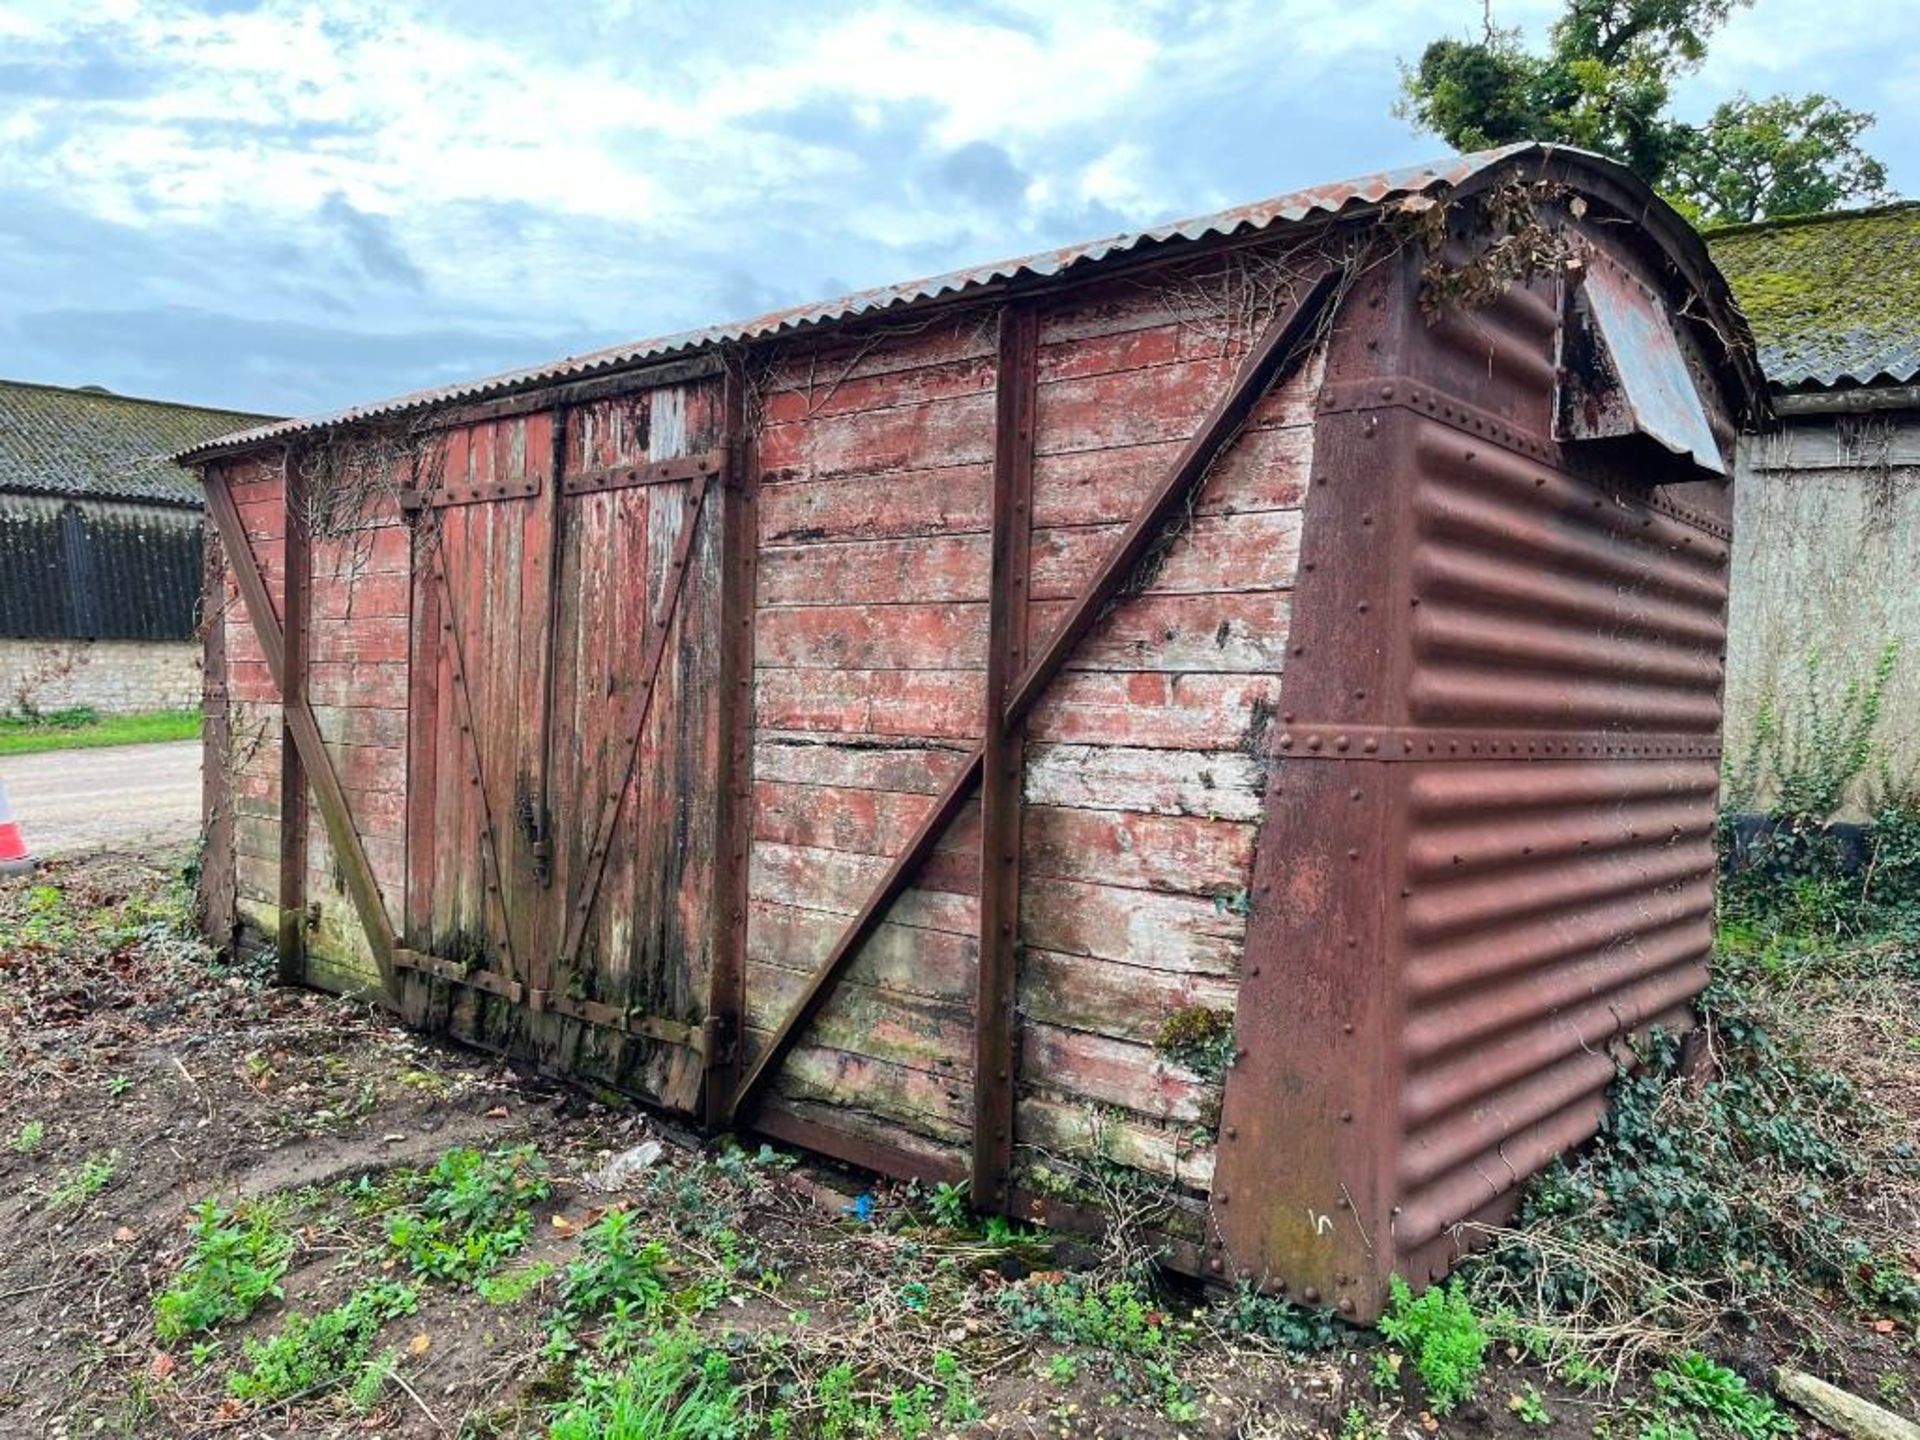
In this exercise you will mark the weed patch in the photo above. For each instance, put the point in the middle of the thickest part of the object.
(314, 1354)
(1442, 1336)
(674, 1388)
(475, 1212)
(237, 1260)
(78, 1187)
(1696, 1387)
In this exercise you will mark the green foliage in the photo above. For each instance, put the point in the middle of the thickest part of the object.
(1442, 1336)
(1728, 1183)
(623, 1285)
(1199, 1039)
(1694, 1384)
(78, 1186)
(311, 1354)
(1810, 749)
(514, 1286)
(237, 1261)
(673, 1389)
(474, 1212)
(958, 1404)
(27, 1138)
(1605, 83)
(1280, 1321)
(952, 1205)
(1529, 1407)
(1784, 155)
(1117, 1316)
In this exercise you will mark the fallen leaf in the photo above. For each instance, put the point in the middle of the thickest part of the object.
(499, 1112)
(419, 1344)
(1883, 1327)
(162, 1365)
(125, 1235)
(565, 1226)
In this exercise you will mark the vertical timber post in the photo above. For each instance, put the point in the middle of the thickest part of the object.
(423, 732)
(298, 558)
(556, 550)
(739, 547)
(1002, 760)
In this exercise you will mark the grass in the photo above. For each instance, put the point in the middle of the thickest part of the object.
(82, 728)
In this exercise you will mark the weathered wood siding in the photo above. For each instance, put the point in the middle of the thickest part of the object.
(1144, 764)
(870, 626)
(357, 680)
(253, 700)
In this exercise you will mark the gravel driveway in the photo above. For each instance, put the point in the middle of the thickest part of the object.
(115, 797)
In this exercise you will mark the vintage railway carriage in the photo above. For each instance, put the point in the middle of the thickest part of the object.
(1235, 706)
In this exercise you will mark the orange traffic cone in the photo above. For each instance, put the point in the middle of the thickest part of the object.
(15, 858)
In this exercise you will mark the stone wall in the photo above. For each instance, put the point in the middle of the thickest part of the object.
(1826, 541)
(110, 676)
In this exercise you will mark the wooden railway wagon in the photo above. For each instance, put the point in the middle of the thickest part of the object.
(1226, 716)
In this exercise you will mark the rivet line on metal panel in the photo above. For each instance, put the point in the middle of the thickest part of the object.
(1398, 392)
(1383, 743)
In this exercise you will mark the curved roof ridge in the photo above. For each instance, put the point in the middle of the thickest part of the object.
(1357, 194)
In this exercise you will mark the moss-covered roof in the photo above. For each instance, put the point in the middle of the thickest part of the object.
(1833, 299)
(90, 443)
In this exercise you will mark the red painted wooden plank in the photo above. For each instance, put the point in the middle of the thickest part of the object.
(1175, 853)
(942, 567)
(872, 637)
(833, 395)
(1213, 553)
(1159, 711)
(912, 766)
(943, 500)
(1175, 634)
(934, 704)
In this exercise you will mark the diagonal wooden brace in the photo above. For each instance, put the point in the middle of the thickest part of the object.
(305, 732)
(588, 892)
(1283, 344)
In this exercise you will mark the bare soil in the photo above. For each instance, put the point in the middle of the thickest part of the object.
(125, 1045)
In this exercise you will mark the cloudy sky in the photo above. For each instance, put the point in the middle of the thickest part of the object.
(288, 207)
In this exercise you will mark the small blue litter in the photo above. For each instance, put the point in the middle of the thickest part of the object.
(861, 1209)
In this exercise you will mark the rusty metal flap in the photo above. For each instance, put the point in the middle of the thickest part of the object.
(1622, 373)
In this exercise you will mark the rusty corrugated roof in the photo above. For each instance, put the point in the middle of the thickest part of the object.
(1360, 192)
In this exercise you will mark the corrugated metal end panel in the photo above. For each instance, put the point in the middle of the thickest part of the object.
(1360, 192)
(1549, 909)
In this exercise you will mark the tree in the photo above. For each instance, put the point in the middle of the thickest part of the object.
(1605, 82)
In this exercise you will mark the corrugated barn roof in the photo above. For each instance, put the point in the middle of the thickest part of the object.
(94, 445)
(1832, 299)
(1360, 192)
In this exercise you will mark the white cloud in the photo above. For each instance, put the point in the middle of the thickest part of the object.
(619, 167)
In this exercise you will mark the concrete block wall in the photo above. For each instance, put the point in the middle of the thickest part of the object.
(110, 676)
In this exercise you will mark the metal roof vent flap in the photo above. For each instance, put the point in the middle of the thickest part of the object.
(1621, 370)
